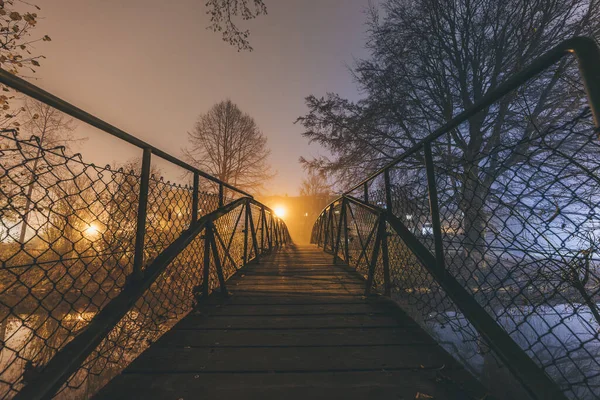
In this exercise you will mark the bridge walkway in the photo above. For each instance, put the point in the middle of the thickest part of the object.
(295, 326)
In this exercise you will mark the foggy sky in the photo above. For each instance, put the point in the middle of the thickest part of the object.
(150, 67)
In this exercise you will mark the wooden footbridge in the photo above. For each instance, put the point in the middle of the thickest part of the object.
(118, 284)
(295, 326)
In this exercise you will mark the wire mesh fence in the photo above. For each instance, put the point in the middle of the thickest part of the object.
(67, 242)
(513, 219)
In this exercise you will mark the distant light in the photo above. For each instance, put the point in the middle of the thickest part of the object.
(279, 211)
(306, 214)
(91, 231)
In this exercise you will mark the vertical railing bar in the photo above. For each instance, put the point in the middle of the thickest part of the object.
(221, 195)
(206, 270)
(434, 208)
(253, 233)
(262, 230)
(360, 241)
(388, 190)
(237, 222)
(247, 206)
(140, 235)
(326, 228)
(374, 258)
(346, 243)
(217, 259)
(270, 231)
(366, 192)
(195, 193)
(385, 256)
(336, 245)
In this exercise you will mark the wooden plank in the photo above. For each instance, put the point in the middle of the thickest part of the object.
(298, 327)
(297, 337)
(288, 321)
(293, 309)
(291, 359)
(393, 385)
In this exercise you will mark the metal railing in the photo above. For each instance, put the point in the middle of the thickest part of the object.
(495, 252)
(99, 262)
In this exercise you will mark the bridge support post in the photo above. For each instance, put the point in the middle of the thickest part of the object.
(253, 231)
(388, 190)
(246, 209)
(346, 243)
(206, 269)
(385, 255)
(140, 235)
(221, 195)
(329, 229)
(434, 208)
(374, 257)
(195, 189)
(268, 227)
(262, 230)
(336, 247)
(210, 238)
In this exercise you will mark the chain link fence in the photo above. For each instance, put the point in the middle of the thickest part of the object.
(515, 222)
(67, 243)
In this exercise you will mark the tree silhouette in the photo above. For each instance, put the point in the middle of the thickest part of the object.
(228, 144)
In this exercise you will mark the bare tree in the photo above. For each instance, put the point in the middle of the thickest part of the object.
(315, 184)
(228, 144)
(431, 59)
(222, 14)
(317, 191)
(51, 128)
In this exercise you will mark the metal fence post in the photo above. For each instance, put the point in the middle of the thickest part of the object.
(140, 235)
(195, 189)
(388, 190)
(262, 230)
(434, 208)
(221, 195)
(217, 260)
(270, 231)
(385, 255)
(253, 231)
(346, 229)
(276, 231)
(206, 270)
(336, 246)
(366, 192)
(246, 207)
(374, 258)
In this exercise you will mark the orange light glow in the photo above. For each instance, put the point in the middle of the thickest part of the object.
(92, 231)
(279, 211)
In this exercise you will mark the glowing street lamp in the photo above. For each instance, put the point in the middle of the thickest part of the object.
(92, 231)
(279, 211)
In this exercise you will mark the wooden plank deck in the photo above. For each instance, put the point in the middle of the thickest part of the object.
(295, 327)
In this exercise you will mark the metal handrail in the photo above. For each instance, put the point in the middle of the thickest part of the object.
(533, 379)
(66, 362)
(272, 234)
